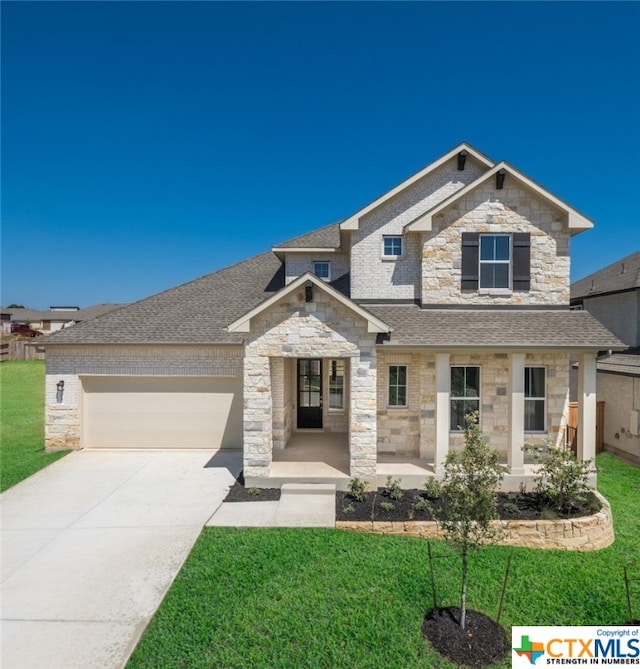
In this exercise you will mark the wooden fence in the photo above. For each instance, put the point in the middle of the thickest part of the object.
(19, 349)
(572, 427)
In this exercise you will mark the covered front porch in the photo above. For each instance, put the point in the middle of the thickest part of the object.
(321, 457)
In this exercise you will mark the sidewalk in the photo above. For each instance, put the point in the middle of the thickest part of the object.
(300, 505)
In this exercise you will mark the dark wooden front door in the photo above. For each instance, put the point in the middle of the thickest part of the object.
(309, 393)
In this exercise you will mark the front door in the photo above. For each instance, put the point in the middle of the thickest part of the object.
(309, 393)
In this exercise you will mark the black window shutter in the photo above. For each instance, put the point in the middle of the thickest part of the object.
(470, 248)
(521, 261)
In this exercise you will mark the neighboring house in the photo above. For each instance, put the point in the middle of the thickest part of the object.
(57, 318)
(372, 337)
(612, 295)
(5, 322)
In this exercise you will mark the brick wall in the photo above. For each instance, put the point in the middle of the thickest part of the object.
(373, 277)
(297, 264)
(68, 364)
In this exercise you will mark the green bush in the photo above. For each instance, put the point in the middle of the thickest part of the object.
(357, 489)
(393, 488)
(561, 478)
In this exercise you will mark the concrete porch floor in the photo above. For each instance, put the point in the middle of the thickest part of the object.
(323, 457)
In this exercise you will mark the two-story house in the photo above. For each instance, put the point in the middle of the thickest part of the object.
(356, 349)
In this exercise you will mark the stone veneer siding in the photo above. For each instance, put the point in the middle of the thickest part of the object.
(411, 430)
(373, 277)
(69, 364)
(589, 533)
(487, 210)
(293, 328)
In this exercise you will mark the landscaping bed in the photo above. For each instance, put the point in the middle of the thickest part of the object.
(416, 504)
(238, 493)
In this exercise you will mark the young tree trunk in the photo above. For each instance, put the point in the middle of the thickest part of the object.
(463, 592)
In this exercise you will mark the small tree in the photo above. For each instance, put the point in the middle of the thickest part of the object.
(469, 490)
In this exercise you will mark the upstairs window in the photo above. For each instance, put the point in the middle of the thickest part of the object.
(495, 261)
(322, 269)
(391, 246)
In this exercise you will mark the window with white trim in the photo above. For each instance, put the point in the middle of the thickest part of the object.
(322, 269)
(464, 396)
(397, 385)
(495, 261)
(336, 385)
(392, 246)
(534, 399)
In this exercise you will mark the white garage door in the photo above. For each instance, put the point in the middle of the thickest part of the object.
(152, 412)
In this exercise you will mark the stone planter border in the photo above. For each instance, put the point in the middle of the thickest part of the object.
(588, 533)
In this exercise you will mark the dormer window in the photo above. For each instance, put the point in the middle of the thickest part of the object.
(392, 246)
(495, 261)
(322, 269)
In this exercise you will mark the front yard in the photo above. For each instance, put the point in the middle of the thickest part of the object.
(322, 598)
(22, 421)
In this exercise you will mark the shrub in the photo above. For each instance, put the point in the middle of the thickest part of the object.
(387, 506)
(357, 489)
(561, 478)
(393, 488)
(433, 487)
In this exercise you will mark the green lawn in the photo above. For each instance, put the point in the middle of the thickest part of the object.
(22, 421)
(320, 598)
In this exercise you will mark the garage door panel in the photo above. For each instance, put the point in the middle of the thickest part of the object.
(121, 412)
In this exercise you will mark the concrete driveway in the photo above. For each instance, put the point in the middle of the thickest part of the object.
(90, 546)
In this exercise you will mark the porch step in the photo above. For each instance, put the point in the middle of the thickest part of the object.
(308, 489)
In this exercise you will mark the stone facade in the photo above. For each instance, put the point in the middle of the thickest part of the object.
(373, 277)
(63, 411)
(290, 329)
(411, 430)
(486, 210)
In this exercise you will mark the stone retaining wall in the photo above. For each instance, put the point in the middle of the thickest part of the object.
(588, 533)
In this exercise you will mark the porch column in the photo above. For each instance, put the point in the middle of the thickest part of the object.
(586, 406)
(277, 392)
(515, 454)
(258, 416)
(443, 392)
(363, 442)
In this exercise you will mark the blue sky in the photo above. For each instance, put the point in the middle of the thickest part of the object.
(146, 144)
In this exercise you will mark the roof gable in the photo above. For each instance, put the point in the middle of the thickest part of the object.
(243, 324)
(576, 221)
(353, 221)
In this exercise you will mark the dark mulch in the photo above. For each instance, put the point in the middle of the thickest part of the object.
(238, 493)
(483, 641)
(417, 505)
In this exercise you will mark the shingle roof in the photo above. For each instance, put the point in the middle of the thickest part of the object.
(504, 328)
(193, 313)
(23, 314)
(621, 275)
(627, 363)
(323, 238)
